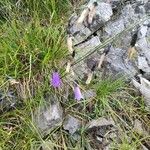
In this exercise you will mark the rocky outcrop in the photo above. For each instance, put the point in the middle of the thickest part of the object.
(115, 24)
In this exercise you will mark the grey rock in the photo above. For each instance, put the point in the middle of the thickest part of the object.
(142, 1)
(143, 64)
(111, 19)
(128, 15)
(79, 32)
(140, 10)
(143, 46)
(72, 20)
(147, 23)
(7, 101)
(100, 122)
(91, 62)
(81, 68)
(76, 137)
(142, 32)
(102, 130)
(109, 24)
(108, 147)
(113, 28)
(115, 0)
(117, 64)
(148, 33)
(71, 124)
(48, 116)
(104, 12)
(144, 88)
(86, 47)
(147, 7)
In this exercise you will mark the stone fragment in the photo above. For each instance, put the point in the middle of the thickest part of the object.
(113, 28)
(102, 131)
(48, 116)
(141, 1)
(144, 88)
(87, 46)
(128, 15)
(143, 64)
(81, 68)
(71, 124)
(143, 47)
(7, 101)
(140, 10)
(104, 12)
(100, 122)
(117, 64)
(142, 32)
(147, 7)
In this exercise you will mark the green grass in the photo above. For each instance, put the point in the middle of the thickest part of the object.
(32, 35)
(26, 46)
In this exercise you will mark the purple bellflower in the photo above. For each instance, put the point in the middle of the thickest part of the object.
(55, 79)
(77, 93)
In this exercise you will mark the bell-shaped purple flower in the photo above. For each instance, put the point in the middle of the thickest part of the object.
(77, 93)
(56, 80)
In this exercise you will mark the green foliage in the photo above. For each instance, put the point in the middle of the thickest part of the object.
(106, 87)
(24, 46)
(32, 36)
(33, 9)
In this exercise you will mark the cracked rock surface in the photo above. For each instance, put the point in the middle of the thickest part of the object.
(113, 18)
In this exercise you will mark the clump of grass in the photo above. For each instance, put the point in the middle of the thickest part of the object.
(48, 10)
(29, 47)
(106, 87)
